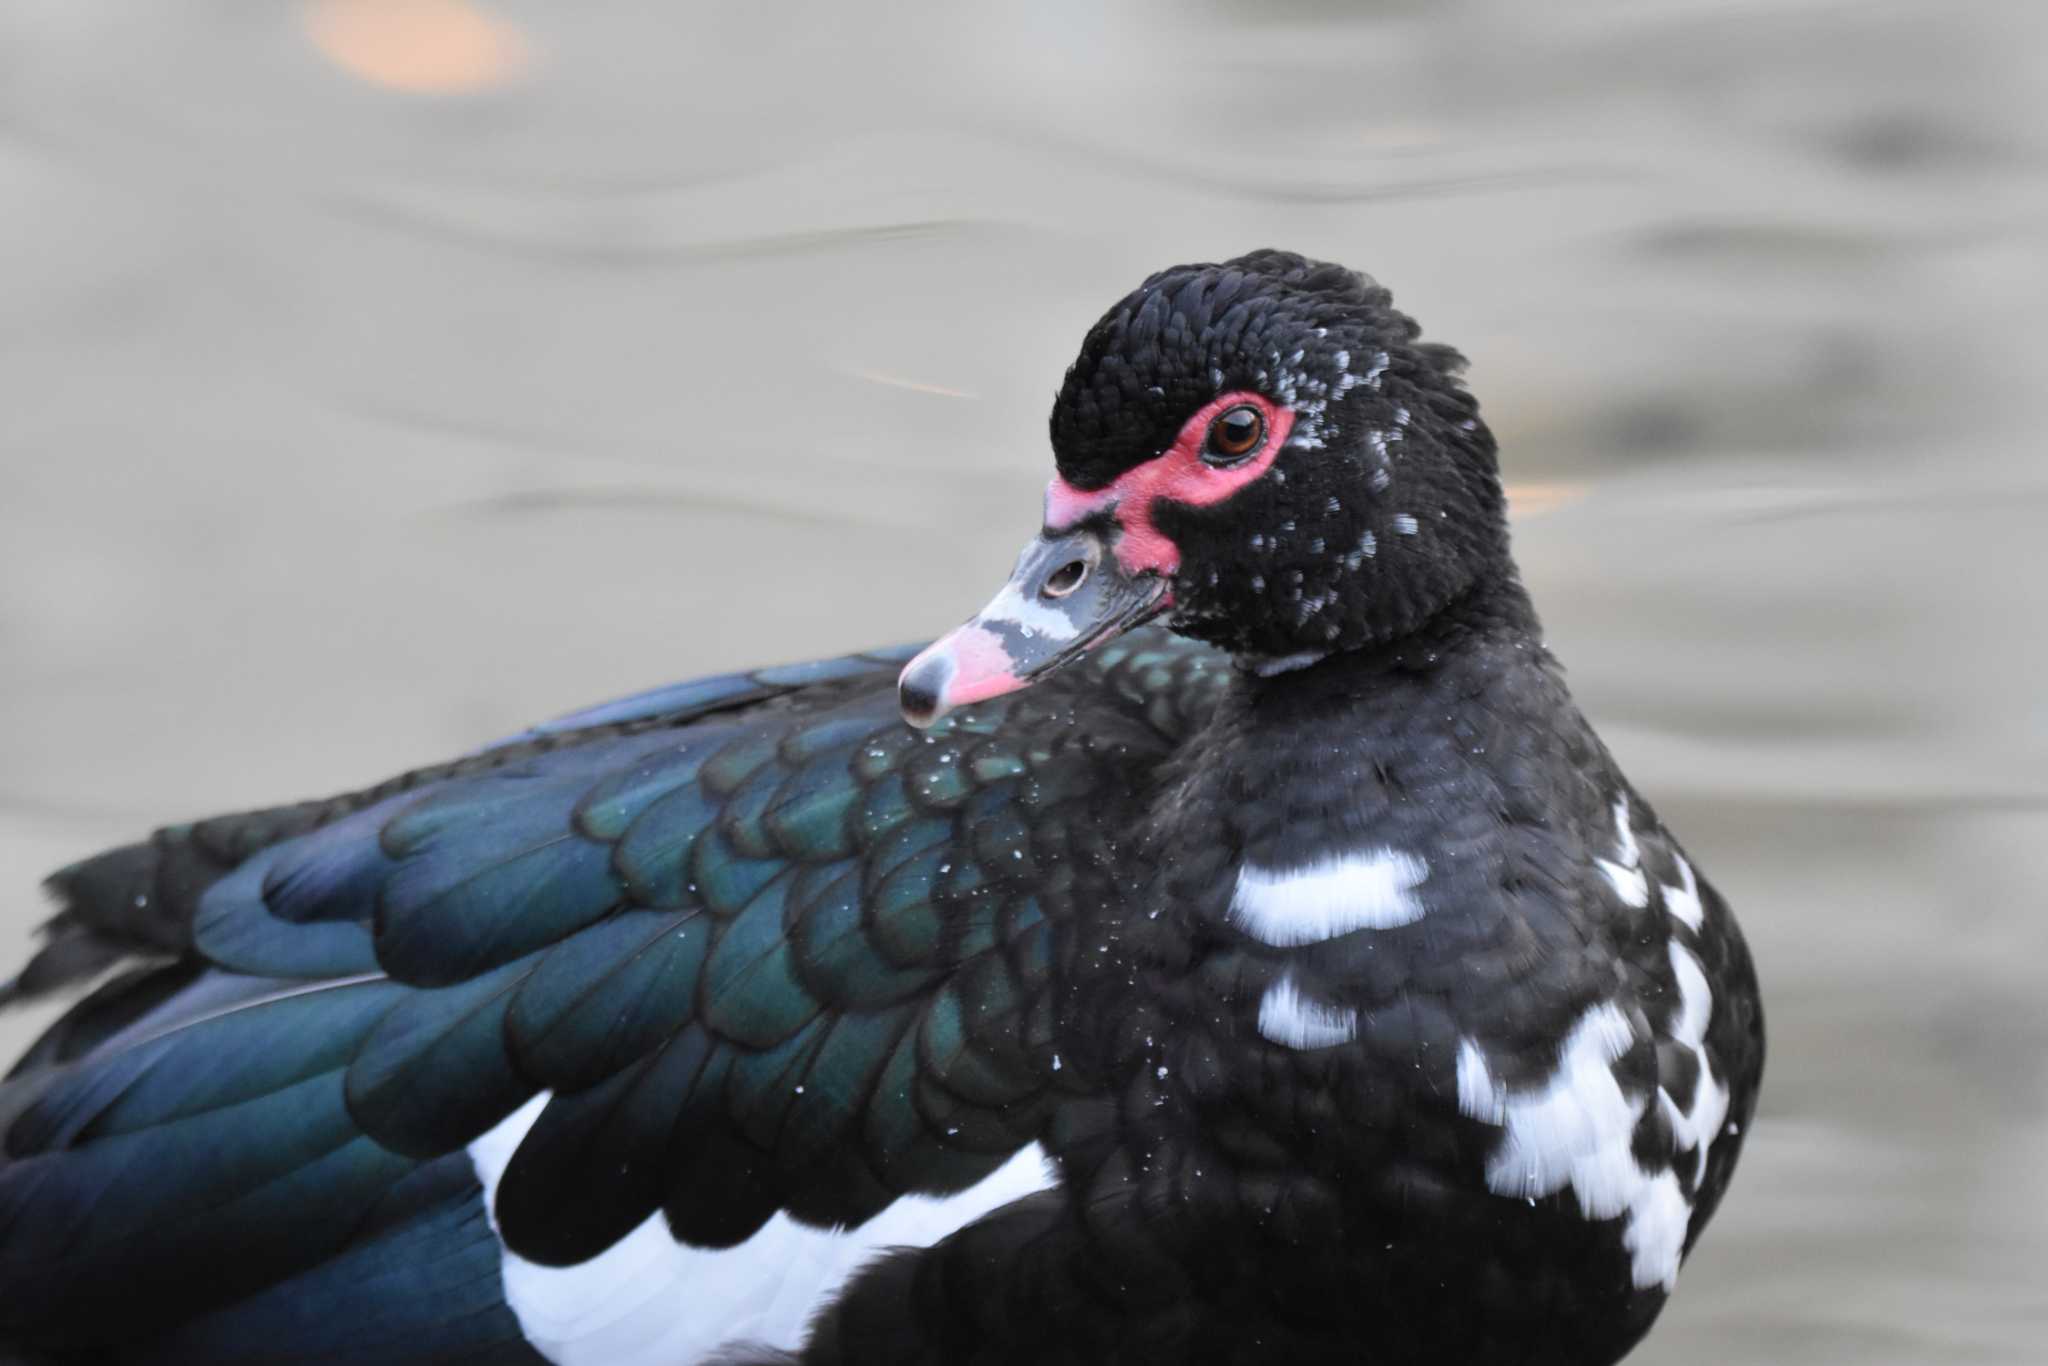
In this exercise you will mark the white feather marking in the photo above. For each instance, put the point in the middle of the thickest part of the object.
(1697, 1124)
(1033, 618)
(1577, 1131)
(1274, 665)
(1631, 884)
(1480, 1097)
(648, 1299)
(1625, 833)
(1655, 1237)
(1288, 1018)
(1572, 1131)
(1683, 900)
(1370, 890)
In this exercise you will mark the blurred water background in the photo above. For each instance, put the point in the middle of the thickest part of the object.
(377, 376)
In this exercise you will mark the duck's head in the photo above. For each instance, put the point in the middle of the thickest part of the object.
(1260, 451)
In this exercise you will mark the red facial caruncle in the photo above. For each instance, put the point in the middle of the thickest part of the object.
(1178, 474)
(1100, 566)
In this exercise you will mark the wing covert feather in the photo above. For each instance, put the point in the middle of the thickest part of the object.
(765, 947)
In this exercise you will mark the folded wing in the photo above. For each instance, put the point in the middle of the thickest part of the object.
(762, 948)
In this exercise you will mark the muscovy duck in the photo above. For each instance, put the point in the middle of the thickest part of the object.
(1294, 979)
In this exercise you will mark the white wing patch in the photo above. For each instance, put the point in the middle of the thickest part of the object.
(1290, 1019)
(648, 1299)
(1373, 889)
(1626, 870)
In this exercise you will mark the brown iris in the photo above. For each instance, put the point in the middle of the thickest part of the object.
(1234, 434)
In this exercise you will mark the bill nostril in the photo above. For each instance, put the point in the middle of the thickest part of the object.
(1065, 579)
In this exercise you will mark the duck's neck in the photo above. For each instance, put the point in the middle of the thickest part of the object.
(1392, 747)
(1467, 633)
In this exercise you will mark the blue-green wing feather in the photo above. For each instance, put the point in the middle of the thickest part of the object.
(765, 948)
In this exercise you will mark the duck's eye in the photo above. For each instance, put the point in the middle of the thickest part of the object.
(1235, 434)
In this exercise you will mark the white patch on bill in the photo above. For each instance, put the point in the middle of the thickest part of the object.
(1032, 618)
(1288, 1018)
(1631, 884)
(1373, 889)
(1577, 1131)
(648, 1299)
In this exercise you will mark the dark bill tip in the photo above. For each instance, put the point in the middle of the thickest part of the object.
(919, 689)
(969, 664)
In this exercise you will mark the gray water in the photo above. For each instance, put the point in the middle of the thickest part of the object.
(378, 377)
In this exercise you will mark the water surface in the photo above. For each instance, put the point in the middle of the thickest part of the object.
(371, 391)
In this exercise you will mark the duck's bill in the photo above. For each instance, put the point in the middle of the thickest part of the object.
(1067, 596)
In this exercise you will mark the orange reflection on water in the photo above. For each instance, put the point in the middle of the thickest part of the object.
(432, 47)
(1528, 500)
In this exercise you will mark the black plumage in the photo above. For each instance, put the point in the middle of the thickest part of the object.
(1363, 1009)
